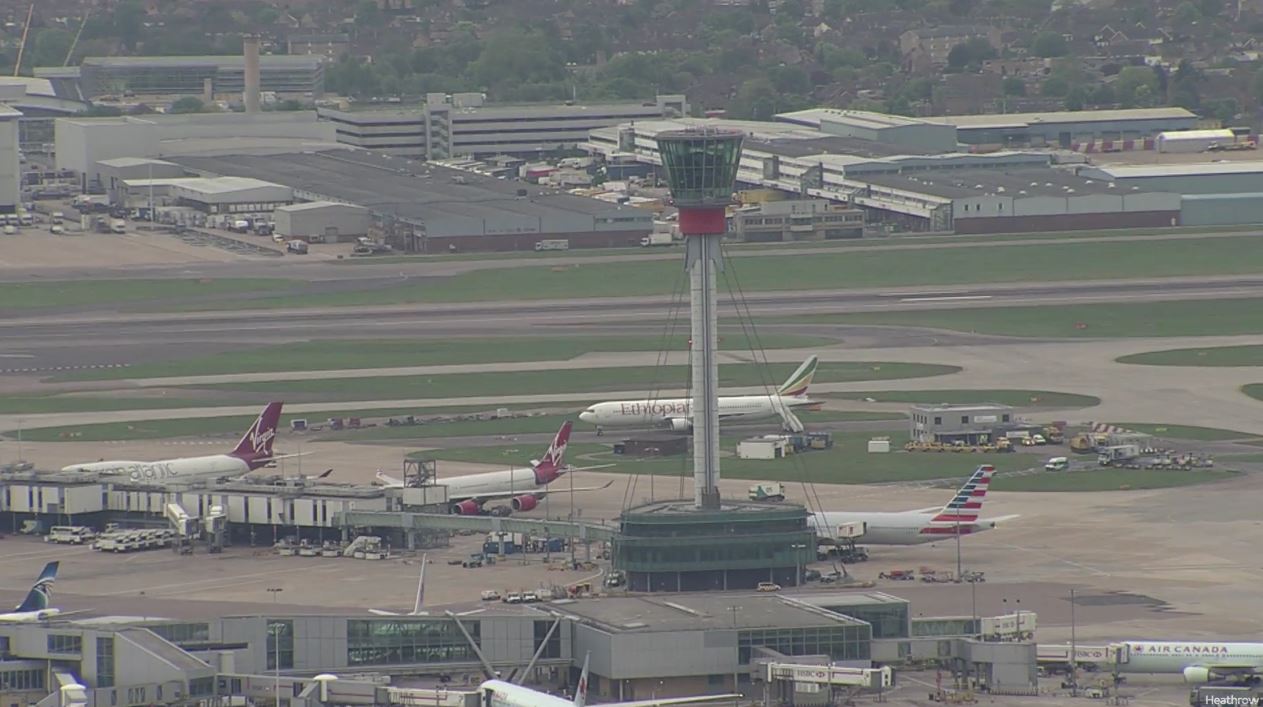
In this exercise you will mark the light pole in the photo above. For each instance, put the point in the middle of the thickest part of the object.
(1074, 652)
(276, 629)
(798, 563)
(737, 663)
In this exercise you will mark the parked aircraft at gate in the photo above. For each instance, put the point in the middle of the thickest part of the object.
(523, 487)
(252, 452)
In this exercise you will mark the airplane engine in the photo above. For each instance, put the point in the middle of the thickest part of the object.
(467, 507)
(1196, 676)
(525, 503)
(680, 425)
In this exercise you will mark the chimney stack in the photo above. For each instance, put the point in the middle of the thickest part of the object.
(251, 97)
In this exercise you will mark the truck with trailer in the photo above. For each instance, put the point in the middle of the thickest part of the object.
(657, 239)
(552, 244)
(1117, 454)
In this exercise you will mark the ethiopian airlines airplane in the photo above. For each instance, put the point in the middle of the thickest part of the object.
(678, 414)
(918, 527)
(502, 693)
(523, 487)
(252, 452)
(1198, 661)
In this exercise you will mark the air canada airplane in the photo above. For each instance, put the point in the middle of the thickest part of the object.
(677, 414)
(36, 607)
(523, 487)
(253, 452)
(501, 693)
(925, 525)
(1198, 661)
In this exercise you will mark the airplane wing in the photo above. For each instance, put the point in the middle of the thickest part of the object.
(703, 699)
(540, 493)
(387, 480)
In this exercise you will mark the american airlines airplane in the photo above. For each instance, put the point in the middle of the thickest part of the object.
(253, 451)
(524, 487)
(925, 525)
(501, 693)
(677, 414)
(35, 607)
(1198, 661)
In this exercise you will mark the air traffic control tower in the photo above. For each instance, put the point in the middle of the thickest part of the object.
(707, 543)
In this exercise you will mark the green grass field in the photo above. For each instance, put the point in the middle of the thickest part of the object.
(1225, 356)
(849, 268)
(1191, 318)
(234, 425)
(322, 355)
(847, 463)
(1190, 432)
(1016, 398)
(542, 424)
(38, 404)
(1108, 480)
(569, 380)
(67, 293)
(1254, 390)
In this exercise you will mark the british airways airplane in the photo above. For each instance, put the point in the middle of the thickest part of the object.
(252, 452)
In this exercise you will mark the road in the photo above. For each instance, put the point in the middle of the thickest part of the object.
(72, 341)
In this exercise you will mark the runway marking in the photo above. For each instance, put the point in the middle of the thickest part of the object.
(945, 298)
(84, 367)
(203, 584)
(4, 355)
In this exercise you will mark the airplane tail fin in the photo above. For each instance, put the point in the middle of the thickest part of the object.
(796, 384)
(581, 690)
(553, 461)
(967, 504)
(42, 591)
(255, 446)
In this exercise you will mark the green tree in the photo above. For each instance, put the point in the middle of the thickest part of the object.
(757, 99)
(970, 54)
(1256, 86)
(1186, 14)
(49, 48)
(1182, 88)
(368, 14)
(188, 104)
(1014, 86)
(1136, 86)
(513, 57)
(129, 18)
(1049, 44)
(1054, 86)
(1074, 98)
(1101, 94)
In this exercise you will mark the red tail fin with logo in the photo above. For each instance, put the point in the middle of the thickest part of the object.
(553, 462)
(255, 448)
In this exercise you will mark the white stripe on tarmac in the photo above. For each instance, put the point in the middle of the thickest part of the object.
(944, 298)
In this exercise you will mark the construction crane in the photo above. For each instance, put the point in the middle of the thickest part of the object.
(17, 65)
(75, 43)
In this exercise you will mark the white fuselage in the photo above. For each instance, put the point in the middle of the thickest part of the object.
(460, 488)
(627, 413)
(168, 471)
(26, 617)
(1175, 656)
(506, 694)
(906, 528)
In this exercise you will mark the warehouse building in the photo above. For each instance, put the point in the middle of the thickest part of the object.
(232, 195)
(82, 143)
(907, 133)
(298, 75)
(460, 125)
(422, 207)
(113, 173)
(1213, 193)
(10, 160)
(323, 221)
(986, 201)
(1066, 129)
(795, 220)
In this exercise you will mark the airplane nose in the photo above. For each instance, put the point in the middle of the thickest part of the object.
(587, 416)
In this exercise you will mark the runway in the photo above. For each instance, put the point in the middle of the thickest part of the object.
(82, 339)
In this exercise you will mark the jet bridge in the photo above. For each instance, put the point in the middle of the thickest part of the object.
(822, 676)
